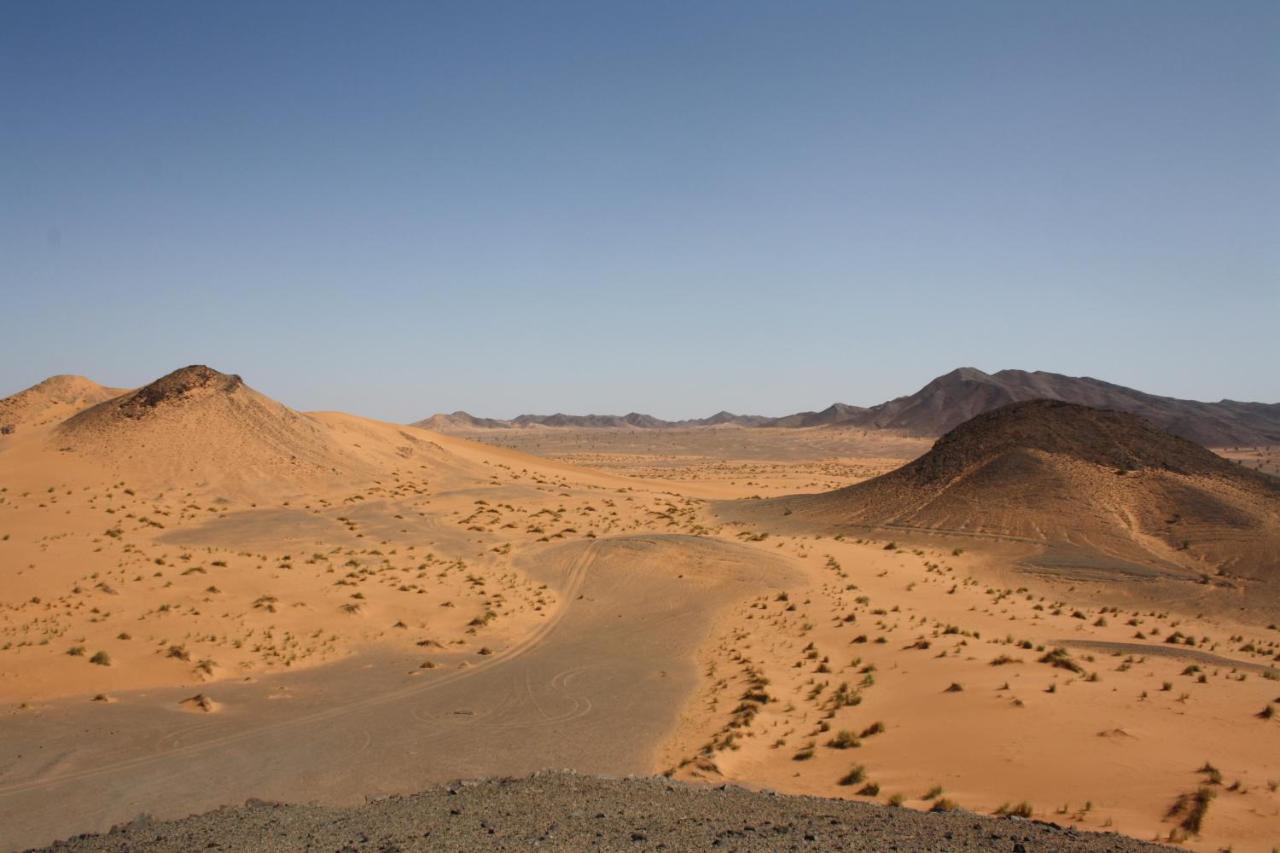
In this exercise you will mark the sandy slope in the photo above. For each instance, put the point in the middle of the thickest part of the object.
(50, 402)
(890, 631)
(1084, 480)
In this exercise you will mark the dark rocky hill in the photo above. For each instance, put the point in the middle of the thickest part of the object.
(957, 396)
(1042, 471)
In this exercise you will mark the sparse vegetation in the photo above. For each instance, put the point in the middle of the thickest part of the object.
(1022, 810)
(845, 739)
(1190, 809)
(1060, 659)
(856, 775)
(873, 729)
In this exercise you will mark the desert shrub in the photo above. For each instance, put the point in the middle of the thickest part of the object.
(1060, 659)
(1192, 809)
(844, 739)
(1212, 774)
(854, 776)
(1022, 809)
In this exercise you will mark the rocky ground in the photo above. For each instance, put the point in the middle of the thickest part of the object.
(566, 811)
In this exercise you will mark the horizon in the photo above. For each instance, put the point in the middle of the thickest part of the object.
(554, 412)
(671, 210)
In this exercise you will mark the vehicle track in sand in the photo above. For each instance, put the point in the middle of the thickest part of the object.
(574, 583)
(616, 655)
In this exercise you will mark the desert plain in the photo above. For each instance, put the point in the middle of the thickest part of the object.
(208, 597)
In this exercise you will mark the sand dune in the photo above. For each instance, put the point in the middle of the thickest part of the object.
(50, 402)
(199, 426)
(1101, 482)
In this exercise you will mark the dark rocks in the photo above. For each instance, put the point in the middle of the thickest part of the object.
(176, 386)
(569, 812)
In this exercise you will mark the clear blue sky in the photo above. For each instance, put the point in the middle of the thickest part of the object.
(400, 208)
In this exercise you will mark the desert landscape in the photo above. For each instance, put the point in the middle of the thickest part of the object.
(732, 425)
(1054, 612)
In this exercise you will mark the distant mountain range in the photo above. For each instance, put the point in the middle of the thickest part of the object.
(634, 420)
(948, 401)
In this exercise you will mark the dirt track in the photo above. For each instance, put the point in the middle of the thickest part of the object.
(596, 689)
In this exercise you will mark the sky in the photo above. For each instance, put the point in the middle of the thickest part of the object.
(395, 209)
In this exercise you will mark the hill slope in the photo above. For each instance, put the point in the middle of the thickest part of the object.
(1054, 472)
(459, 421)
(834, 415)
(199, 426)
(50, 401)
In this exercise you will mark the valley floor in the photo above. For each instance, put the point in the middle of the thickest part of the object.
(479, 612)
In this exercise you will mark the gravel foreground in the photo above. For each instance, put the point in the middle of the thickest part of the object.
(567, 811)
